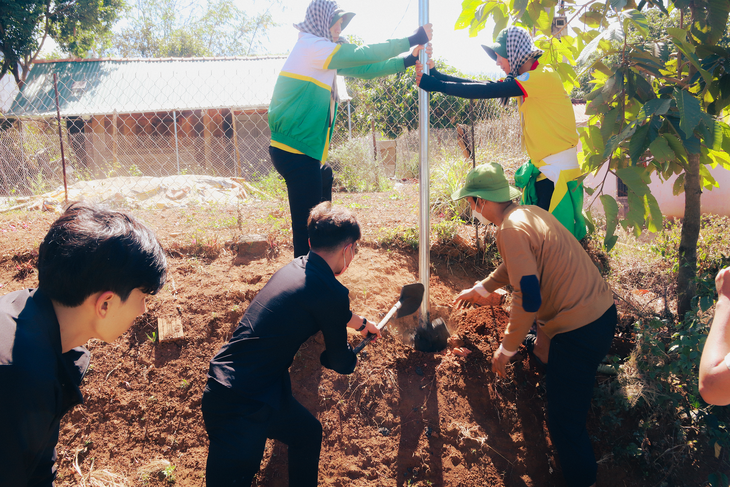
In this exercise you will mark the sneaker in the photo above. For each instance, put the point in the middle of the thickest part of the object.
(529, 342)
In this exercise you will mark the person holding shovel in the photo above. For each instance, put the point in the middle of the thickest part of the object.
(303, 108)
(248, 397)
(549, 131)
(554, 282)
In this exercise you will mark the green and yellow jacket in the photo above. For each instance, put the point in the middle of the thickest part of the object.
(303, 108)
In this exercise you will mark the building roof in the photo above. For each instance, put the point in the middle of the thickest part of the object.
(103, 86)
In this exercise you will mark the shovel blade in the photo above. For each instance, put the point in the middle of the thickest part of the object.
(431, 337)
(410, 299)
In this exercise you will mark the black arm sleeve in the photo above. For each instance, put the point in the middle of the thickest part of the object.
(475, 90)
(338, 355)
(419, 38)
(446, 77)
(409, 60)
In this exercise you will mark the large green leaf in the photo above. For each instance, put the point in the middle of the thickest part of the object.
(634, 217)
(706, 180)
(679, 37)
(652, 213)
(636, 178)
(676, 146)
(678, 187)
(718, 11)
(610, 208)
(690, 111)
(613, 32)
(519, 7)
(609, 125)
(719, 157)
(657, 106)
(637, 19)
(614, 141)
(712, 131)
(661, 151)
(468, 9)
(640, 141)
(501, 19)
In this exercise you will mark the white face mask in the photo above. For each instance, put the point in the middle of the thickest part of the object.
(478, 215)
(346, 264)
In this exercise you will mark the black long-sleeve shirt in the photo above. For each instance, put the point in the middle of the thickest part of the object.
(299, 300)
(38, 385)
(467, 88)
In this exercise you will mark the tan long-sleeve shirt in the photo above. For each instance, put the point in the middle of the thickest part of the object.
(554, 280)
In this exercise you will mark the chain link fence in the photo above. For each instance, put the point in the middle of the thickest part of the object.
(165, 133)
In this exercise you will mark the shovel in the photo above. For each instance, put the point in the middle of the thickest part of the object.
(410, 300)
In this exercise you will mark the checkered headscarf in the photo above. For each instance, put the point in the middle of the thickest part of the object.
(317, 21)
(520, 48)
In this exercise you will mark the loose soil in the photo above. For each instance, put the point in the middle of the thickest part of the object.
(403, 418)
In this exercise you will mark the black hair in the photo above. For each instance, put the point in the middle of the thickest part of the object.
(90, 249)
(329, 227)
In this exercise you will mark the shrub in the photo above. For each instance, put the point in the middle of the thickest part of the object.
(355, 169)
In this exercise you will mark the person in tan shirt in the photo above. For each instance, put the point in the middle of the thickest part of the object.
(555, 284)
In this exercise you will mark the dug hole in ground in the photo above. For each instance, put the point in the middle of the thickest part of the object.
(403, 418)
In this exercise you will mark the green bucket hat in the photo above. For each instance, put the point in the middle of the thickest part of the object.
(341, 14)
(499, 46)
(487, 181)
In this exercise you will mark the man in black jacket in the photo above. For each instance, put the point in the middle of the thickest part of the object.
(248, 397)
(95, 268)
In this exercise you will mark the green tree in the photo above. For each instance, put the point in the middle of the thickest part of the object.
(656, 111)
(173, 28)
(78, 26)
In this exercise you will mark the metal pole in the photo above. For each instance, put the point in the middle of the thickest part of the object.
(473, 165)
(424, 228)
(177, 151)
(349, 119)
(60, 137)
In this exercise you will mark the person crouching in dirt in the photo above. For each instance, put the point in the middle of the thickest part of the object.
(554, 282)
(95, 268)
(248, 397)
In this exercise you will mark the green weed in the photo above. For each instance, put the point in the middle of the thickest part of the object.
(273, 185)
(355, 169)
(398, 236)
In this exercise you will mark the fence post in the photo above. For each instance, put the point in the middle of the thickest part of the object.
(236, 153)
(177, 149)
(425, 224)
(60, 137)
(349, 119)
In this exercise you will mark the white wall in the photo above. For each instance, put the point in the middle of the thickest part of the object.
(716, 201)
(8, 90)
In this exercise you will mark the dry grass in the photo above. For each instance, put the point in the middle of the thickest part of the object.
(635, 386)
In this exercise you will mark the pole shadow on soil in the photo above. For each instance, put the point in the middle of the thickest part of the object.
(419, 419)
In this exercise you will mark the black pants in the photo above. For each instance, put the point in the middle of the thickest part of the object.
(544, 190)
(574, 357)
(308, 183)
(238, 429)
